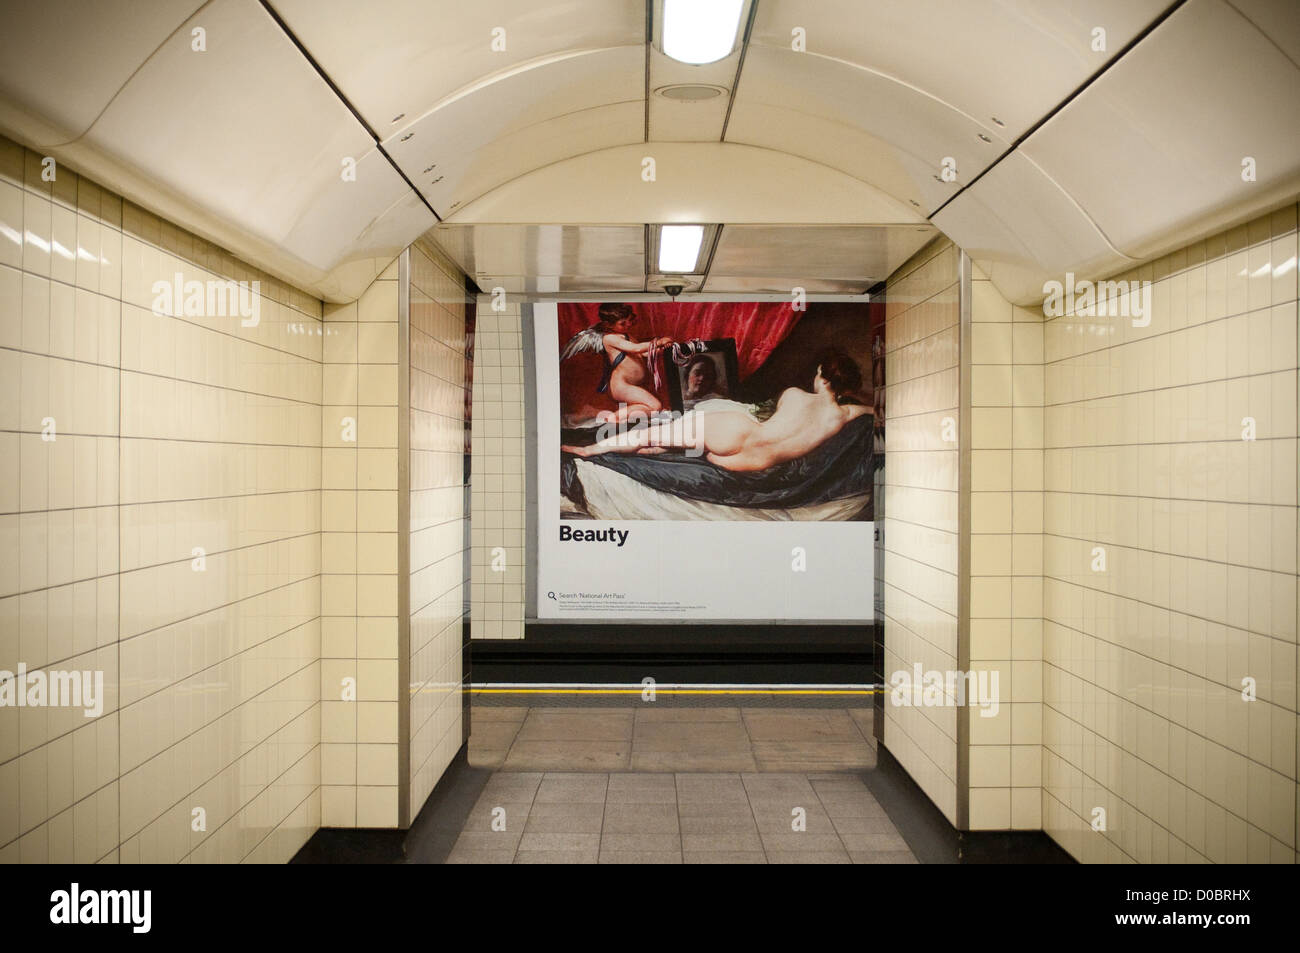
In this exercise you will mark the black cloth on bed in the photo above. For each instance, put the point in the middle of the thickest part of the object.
(839, 468)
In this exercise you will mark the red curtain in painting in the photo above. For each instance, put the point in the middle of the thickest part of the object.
(758, 328)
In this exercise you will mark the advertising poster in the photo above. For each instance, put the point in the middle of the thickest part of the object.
(704, 461)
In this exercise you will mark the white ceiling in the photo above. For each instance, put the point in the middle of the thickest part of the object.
(1066, 157)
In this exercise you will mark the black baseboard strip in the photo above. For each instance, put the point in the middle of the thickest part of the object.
(935, 841)
(492, 668)
(431, 836)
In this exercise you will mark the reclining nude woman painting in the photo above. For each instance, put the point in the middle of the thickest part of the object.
(723, 411)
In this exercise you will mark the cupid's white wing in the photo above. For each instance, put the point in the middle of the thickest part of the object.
(588, 340)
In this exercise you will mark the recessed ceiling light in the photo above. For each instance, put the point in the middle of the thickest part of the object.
(679, 247)
(700, 31)
(690, 92)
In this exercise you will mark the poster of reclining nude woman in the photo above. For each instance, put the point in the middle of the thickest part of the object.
(729, 446)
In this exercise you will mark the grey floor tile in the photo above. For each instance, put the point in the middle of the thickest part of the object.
(865, 719)
(560, 755)
(801, 842)
(690, 736)
(640, 819)
(864, 825)
(479, 757)
(467, 856)
(714, 788)
(511, 786)
(493, 734)
(794, 787)
(484, 814)
(557, 857)
(640, 856)
(882, 857)
(724, 857)
(565, 841)
(571, 788)
(628, 788)
(700, 759)
(807, 857)
(874, 842)
(779, 821)
(843, 805)
(744, 841)
(505, 713)
(488, 840)
(640, 842)
(803, 725)
(594, 724)
(813, 756)
(737, 823)
(654, 714)
(588, 820)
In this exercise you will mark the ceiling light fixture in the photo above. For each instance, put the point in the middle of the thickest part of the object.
(679, 248)
(700, 31)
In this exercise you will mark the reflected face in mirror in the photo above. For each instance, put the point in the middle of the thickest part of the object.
(701, 378)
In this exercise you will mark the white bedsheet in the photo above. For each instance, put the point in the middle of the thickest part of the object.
(613, 496)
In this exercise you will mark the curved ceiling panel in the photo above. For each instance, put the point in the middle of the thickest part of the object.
(522, 119)
(1024, 230)
(695, 182)
(1013, 59)
(859, 122)
(404, 57)
(1154, 149)
(202, 123)
(470, 176)
(61, 64)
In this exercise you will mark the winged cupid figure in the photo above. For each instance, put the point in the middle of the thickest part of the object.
(626, 362)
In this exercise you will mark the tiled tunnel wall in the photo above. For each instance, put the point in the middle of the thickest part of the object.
(922, 396)
(1149, 462)
(172, 434)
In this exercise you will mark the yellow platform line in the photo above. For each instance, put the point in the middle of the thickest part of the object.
(668, 691)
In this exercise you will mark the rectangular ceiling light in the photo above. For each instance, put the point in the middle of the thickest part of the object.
(679, 248)
(700, 31)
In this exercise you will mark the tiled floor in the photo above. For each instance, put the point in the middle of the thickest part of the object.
(676, 783)
(671, 737)
(634, 817)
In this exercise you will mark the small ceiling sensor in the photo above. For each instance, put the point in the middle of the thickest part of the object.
(690, 92)
(984, 137)
(998, 121)
(399, 117)
(407, 136)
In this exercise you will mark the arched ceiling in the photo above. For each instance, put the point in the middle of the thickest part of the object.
(1081, 134)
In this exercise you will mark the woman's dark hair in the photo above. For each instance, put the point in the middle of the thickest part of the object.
(610, 314)
(841, 372)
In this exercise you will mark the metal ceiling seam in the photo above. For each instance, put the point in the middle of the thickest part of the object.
(740, 65)
(1241, 13)
(649, 39)
(1101, 71)
(338, 93)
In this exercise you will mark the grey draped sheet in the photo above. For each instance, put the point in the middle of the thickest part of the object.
(839, 468)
